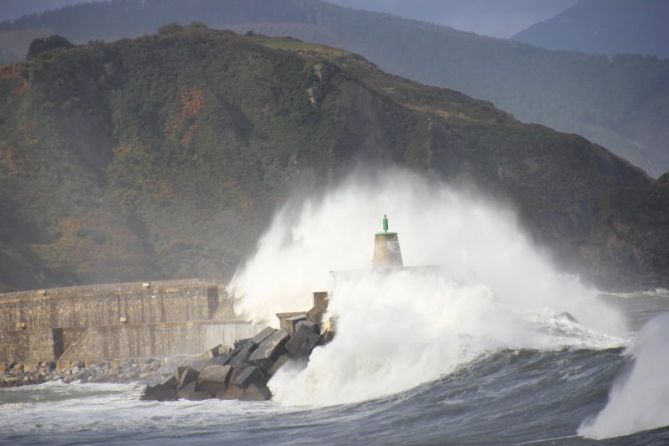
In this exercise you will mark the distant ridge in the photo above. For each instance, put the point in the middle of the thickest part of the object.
(606, 27)
(487, 17)
(622, 104)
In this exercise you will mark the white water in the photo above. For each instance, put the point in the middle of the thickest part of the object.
(639, 399)
(396, 331)
(58, 408)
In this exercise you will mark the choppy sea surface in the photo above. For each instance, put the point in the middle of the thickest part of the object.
(519, 397)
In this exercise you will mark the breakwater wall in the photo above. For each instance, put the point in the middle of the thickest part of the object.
(117, 321)
(129, 303)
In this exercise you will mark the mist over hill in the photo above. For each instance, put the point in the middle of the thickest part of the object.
(165, 156)
(488, 17)
(13, 9)
(621, 103)
(605, 27)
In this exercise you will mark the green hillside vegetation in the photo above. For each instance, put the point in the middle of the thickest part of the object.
(621, 103)
(165, 156)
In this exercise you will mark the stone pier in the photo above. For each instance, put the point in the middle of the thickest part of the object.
(117, 321)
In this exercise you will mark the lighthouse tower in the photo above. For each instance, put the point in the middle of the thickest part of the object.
(387, 253)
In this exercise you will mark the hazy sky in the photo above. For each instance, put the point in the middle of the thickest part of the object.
(498, 18)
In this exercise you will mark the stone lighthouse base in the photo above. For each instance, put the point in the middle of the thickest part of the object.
(387, 253)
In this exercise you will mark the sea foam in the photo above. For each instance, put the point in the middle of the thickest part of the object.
(493, 288)
(638, 398)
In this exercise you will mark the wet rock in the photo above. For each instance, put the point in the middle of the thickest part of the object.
(256, 392)
(249, 375)
(187, 375)
(280, 362)
(221, 360)
(214, 379)
(264, 334)
(165, 391)
(200, 363)
(231, 393)
(269, 350)
(213, 352)
(241, 356)
(240, 344)
(186, 391)
(321, 302)
(304, 340)
(310, 325)
(290, 323)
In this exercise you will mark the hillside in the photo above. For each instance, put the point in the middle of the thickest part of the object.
(605, 27)
(621, 103)
(164, 157)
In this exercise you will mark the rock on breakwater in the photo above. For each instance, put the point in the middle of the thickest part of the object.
(20, 374)
(243, 372)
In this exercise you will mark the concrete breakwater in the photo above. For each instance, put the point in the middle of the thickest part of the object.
(244, 371)
(116, 322)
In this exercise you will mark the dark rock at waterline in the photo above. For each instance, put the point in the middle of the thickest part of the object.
(243, 372)
(166, 390)
(183, 392)
(256, 392)
(304, 340)
(194, 396)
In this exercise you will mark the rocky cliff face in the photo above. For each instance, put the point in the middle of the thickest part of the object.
(164, 156)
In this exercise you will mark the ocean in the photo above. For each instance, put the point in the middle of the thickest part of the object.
(505, 396)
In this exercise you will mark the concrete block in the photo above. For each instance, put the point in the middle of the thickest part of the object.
(159, 392)
(291, 323)
(321, 302)
(280, 362)
(170, 381)
(187, 376)
(269, 350)
(287, 321)
(256, 392)
(199, 364)
(242, 355)
(264, 334)
(303, 341)
(231, 393)
(185, 391)
(166, 390)
(214, 379)
(250, 375)
(308, 324)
